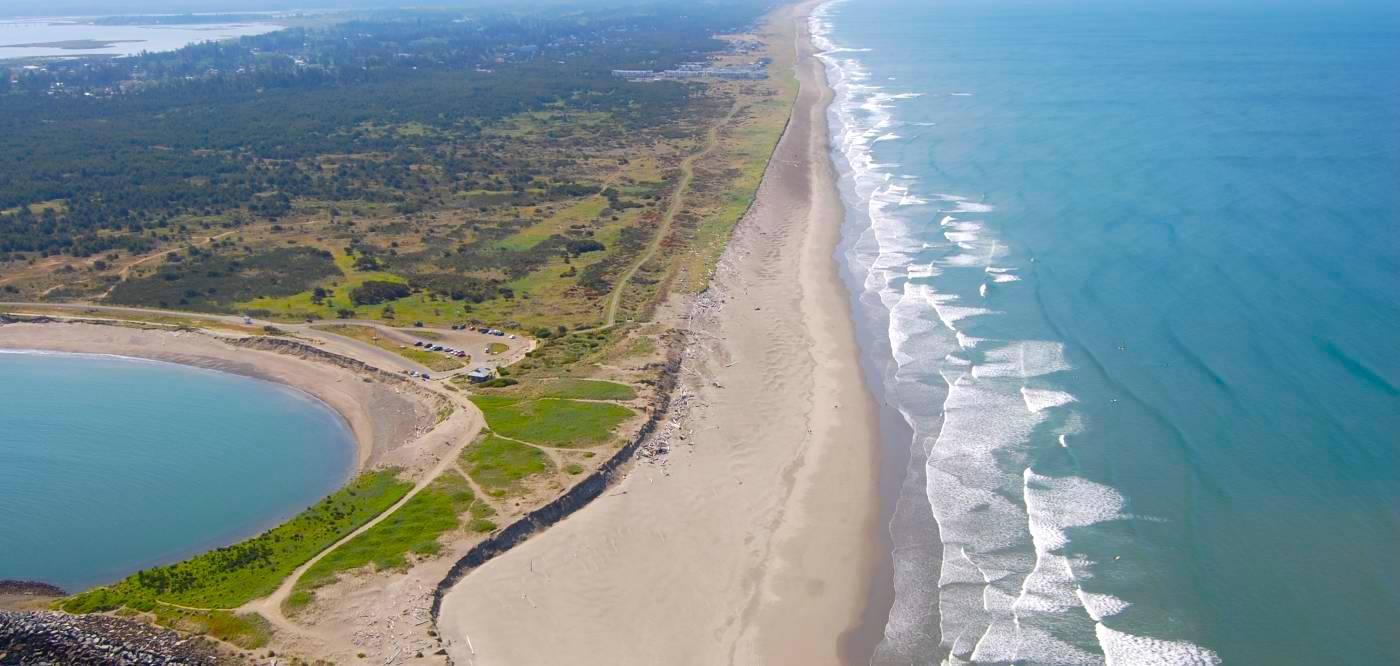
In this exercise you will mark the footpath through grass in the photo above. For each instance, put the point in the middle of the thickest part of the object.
(552, 421)
(231, 576)
(498, 465)
(414, 528)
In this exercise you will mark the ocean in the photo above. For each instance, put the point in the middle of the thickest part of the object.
(1130, 274)
(109, 465)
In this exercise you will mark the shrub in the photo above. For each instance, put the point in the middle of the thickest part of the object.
(373, 292)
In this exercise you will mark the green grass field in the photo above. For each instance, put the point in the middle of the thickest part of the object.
(246, 630)
(414, 528)
(231, 576)
(583, 389)
(551, 421)
(499, 465)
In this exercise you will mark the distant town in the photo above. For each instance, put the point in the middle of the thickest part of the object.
(695, 70)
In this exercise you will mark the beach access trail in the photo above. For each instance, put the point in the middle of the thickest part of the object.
(754, 542)
(677, 202)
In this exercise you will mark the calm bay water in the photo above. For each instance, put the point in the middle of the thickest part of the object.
(1133, 271)
(124, 39)
(109, 465)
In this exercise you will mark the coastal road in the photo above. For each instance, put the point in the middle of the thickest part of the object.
(474, 342)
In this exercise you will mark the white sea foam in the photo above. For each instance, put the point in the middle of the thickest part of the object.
(924, 271)
(1056, 504)
(1003, 591)
(966, 341)
(1126, 649)
(1023, 359)
(963, 204)
(1101, 605)
(1042, 399)
(950, 312)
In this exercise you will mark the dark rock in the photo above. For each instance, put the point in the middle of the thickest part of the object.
(43, 638)
(31, 588)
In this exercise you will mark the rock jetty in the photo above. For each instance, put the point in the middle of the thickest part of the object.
(40, 638)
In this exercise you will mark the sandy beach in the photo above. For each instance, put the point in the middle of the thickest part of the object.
(753, 543)
(385, 418)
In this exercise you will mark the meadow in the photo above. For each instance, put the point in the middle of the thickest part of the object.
(228, 577)
(552, 421)
(412, 530)
(499, 465)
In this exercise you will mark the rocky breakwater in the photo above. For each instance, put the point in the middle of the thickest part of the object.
(42, 637)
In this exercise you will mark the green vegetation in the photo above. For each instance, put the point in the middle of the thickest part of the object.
(413, 528)
(231, 576)
(498, 465)
(374, 292)
(421, 166)
(460, 159)
(584, 389)
(246, 630)
(373, 336)
(551, 421)
(481, 525)
(197, 279)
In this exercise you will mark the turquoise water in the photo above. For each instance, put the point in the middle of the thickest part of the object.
(1131, 274)
(109, 465)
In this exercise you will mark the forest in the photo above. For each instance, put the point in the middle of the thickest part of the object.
(234, 129)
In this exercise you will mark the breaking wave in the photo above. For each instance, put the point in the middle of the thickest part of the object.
(984, 410)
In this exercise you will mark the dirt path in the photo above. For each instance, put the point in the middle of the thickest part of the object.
(677, 202)
(519, 346)
(270, 607)
(125, 272)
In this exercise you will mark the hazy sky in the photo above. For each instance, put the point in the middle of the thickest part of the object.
(109, 7)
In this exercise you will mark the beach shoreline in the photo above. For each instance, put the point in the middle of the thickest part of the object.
(756, 541)
(381, 419)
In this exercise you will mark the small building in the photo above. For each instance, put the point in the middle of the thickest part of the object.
(482, 374)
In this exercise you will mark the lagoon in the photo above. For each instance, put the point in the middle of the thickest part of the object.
(68, 37)
(110, 464)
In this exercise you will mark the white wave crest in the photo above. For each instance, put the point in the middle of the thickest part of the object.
(1042, 399)
(1121, 648)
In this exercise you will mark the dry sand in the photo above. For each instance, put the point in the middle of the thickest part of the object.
(754, 543)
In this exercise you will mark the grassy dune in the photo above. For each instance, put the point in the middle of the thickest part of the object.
(231, 576)
(413, 529)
